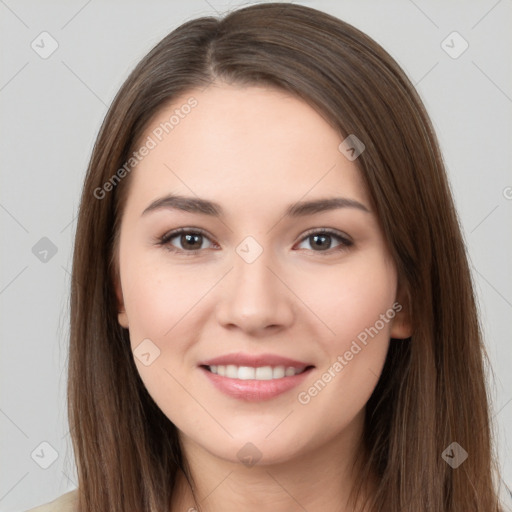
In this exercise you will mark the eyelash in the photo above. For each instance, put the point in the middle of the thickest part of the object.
(164, 241)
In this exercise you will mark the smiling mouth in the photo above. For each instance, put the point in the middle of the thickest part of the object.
(232, 371)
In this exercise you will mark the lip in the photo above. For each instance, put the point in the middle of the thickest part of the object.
(255, 390)
(255, 360)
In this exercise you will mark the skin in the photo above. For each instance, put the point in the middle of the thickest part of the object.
(255, 151)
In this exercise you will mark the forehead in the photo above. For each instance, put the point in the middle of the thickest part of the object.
(242, 145)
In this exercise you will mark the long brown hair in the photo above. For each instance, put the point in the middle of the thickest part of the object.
(432, 391)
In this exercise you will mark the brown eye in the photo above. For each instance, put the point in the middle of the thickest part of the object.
(191, 241)
(185, 241)
(322, 241)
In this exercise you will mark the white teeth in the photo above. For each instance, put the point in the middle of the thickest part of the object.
(264, 373)
(246, 372)
(279, 372)
(290, 371)
(249, 373)
(231, 371)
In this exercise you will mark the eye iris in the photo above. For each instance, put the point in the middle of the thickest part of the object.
(187, 241)
(321, 239)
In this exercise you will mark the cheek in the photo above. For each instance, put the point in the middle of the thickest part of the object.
(160, 301)
(357, 305)
(159, 296)
(352, 298)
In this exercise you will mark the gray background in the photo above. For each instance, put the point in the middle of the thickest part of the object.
(52, 109)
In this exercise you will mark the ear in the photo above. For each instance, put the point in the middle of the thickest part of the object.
(122, 317)
(401, 327)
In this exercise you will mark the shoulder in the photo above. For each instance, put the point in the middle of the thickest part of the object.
(505, 493)
(64, 503)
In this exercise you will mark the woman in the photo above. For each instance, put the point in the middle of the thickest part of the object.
(271, 304)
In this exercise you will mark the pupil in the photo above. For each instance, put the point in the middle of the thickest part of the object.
(322, 238)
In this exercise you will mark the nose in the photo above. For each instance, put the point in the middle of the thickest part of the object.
(255, 297)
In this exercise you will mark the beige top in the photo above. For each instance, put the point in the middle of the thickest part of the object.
(64, 503)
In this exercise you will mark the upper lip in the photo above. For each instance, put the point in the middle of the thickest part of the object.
(254, 360)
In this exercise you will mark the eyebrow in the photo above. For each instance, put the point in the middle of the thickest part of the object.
(206, 207)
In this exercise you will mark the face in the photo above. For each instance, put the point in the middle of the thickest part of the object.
(267, 318)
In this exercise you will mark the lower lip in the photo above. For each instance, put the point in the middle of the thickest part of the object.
(255, 390)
